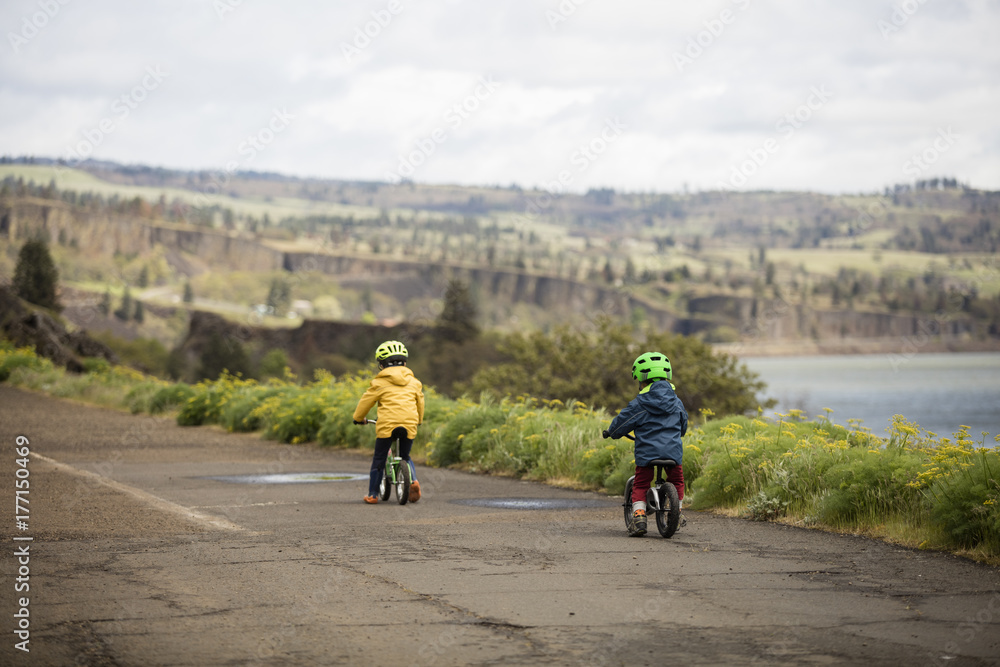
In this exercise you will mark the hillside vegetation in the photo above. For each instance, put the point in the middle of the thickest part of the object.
(923, 249)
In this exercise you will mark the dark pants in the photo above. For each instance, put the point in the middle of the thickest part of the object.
(382, 451)
(644, 477)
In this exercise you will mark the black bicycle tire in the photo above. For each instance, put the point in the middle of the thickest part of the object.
(385, 487)
(667, 520)
(627, 504)
(403, 486)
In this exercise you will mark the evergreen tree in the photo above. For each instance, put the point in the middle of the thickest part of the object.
(35, 276)
(105, 306)
(629, 271)
(188, 293)
(124, 313)
(457, 321)
(367, 302)
(279, 297)
(608, 273)
(143, 281)
(140, 312)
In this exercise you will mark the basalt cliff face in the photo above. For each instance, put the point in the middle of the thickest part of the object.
(745, 318)
(103, 235)
(772, 319)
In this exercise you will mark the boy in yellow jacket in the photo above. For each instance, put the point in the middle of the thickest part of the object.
(400, 400)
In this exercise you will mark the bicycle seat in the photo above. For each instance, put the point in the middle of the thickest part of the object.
(663, 463)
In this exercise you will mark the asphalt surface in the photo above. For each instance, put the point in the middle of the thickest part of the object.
(139, 557)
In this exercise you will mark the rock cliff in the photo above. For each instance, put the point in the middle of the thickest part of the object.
(104, 235)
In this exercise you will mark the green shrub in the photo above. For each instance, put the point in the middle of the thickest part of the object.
(870, 487)
(96, 365)
(240, 411)
(294, 416)
(24, 357)
(140, 397)
(145, 354)
(273, 364)
(570, 364)
(467, 434)
(169, 397)
(205, 406)
(763, 507)
(964, 489)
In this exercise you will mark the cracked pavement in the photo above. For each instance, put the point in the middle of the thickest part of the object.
(127, 569)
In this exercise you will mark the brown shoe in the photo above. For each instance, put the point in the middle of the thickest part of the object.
(371, 500)
(638, 528)
(414, 491)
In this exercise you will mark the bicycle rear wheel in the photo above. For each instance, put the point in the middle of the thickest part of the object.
(385, 486)
(403, 483)
(669, 517)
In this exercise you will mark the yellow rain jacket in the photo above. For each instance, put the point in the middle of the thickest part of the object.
(400, 399)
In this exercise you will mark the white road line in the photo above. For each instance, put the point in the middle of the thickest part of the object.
(206, 507)
(207, 520)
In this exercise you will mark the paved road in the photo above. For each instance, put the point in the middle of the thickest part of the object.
(139, 558)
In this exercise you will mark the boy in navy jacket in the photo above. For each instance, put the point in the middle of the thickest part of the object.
(659, 420)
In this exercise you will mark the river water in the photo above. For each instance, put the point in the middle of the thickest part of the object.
(937, 391)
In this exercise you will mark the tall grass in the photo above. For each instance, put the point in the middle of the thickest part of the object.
(913, 486)
(944, 490)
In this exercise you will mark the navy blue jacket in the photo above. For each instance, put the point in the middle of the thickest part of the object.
(659, 420)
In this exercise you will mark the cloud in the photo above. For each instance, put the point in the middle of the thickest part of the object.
(562, 74)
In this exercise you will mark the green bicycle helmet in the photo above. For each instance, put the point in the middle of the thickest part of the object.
(391, 350)
(652, 366)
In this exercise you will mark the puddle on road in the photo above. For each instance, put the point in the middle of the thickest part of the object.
(291, 478)
(532, 503)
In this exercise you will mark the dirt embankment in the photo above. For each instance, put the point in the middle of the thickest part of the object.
(26, 325)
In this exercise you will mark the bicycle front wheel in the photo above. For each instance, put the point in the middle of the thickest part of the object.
(628, 503)
(668, 519)
(403, 483)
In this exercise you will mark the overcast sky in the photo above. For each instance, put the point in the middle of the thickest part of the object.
(834, 96)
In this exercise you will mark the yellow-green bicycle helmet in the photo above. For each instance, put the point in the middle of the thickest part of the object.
(391, 350)
(652, 366)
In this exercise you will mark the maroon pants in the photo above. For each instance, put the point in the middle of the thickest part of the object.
(644, 477)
